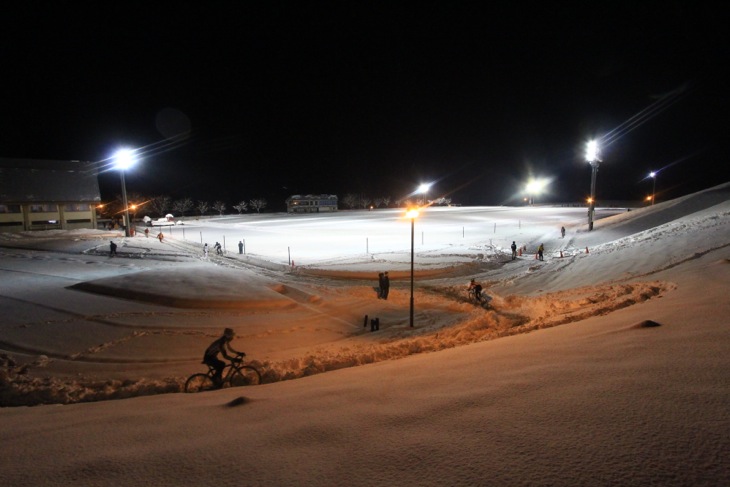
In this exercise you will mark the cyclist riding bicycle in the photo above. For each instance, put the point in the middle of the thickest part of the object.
(476, 288)
(219, 347)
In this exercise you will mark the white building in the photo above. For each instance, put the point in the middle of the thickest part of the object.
(45, 195)
(311, 203)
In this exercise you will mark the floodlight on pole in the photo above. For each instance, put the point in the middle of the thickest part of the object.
(123, 160)
(592, 159)
(412, 214)
(652, 175)
(534, 187)
(423, 189)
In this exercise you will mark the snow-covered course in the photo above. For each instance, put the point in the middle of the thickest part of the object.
(605, 367)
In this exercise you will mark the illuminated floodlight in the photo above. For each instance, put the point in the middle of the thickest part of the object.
(535, 187)
(652, 175)
(124, 159)
(593, 160)
(592, 152)
(412, 213)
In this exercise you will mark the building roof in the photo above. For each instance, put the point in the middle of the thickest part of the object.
(312, 196)
(33, 180)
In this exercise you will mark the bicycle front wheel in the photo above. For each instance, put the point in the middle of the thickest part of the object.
(245, 376)
(199, 383)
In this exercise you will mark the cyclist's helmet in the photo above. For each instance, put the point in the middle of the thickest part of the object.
(228, 332)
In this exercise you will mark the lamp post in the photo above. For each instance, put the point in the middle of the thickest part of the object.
(593, 160)
(123, 160)
(652, 175)
(412, 214)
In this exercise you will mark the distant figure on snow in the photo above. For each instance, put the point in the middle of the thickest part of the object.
(562, 232)
(385, 287)
(160, 236)
(240, 246)
(147, 232)
(540, 252)
(205, 250)
(381, 284)
(218, 249)
(112, 249)
(514, 250)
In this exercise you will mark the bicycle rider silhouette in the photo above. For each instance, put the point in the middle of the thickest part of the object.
(219, 347)
(473, 285)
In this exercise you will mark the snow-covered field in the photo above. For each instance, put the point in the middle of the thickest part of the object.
(606, 366)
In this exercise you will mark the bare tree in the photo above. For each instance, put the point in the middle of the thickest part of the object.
(241, 207)
(184, 205)
(220, 207)
(202, 207)
(160, 204)
(258, 204)
(386, 201)
(364, 202)
(442, 201)
(350, 200)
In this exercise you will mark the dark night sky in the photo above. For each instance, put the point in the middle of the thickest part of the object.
(276, 98)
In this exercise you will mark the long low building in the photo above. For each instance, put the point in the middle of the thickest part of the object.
(47, 195)
(311, 203)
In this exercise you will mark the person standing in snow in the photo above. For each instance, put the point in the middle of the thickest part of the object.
(112, 249)
(205, 251)
(219, 346)
(381, 285)
(160, 236)
(217, 248)
(514, 250)
(562, 232)
(240, 246)
(385, 288)
(540, 251)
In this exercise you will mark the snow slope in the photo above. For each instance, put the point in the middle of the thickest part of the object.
(601, 368)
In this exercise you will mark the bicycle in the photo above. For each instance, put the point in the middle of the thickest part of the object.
(235, 374)
(482, 300)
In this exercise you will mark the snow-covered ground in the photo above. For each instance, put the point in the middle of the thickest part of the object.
(606, 366)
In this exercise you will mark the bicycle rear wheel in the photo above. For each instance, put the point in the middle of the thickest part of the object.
(245, 376)
(199, 383)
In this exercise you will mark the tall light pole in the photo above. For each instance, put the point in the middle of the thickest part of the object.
(423, 189)
(593, 160)
(534, 187)
(412, 214)
(652, 175)
(123, 160)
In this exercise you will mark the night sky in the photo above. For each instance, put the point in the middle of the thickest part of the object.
(238, 100)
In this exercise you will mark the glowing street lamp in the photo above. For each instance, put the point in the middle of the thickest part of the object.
(123, 160)
(412, 214)
(652, 175)
(593, 160)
